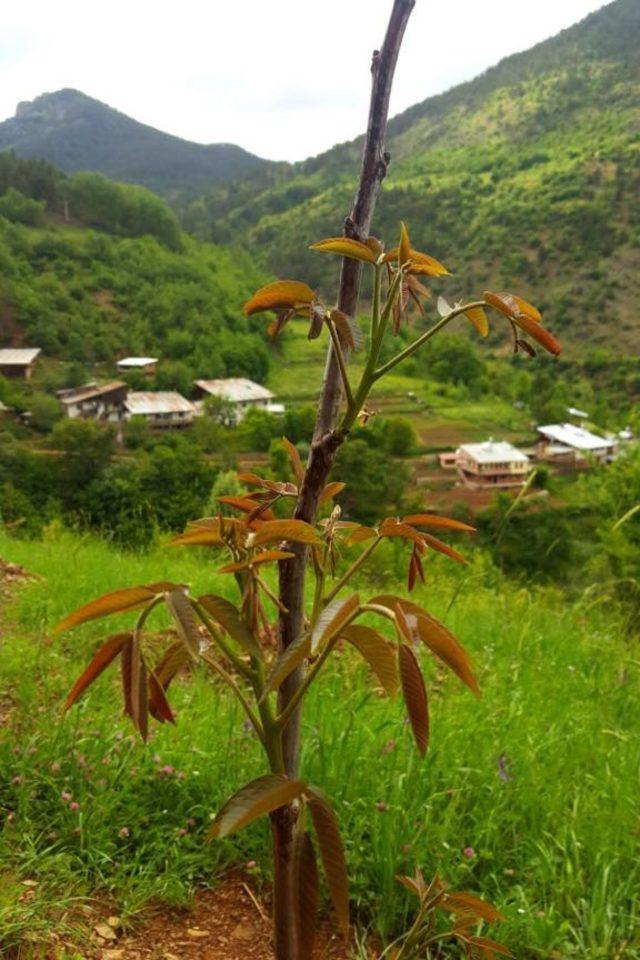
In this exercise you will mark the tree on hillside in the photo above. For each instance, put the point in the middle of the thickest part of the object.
(271, 645)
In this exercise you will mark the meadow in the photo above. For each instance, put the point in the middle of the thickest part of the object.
(527, 796)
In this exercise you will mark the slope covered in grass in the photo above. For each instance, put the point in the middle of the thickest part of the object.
(539, 778)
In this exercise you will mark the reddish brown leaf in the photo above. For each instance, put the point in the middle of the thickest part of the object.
(255, 799)
(478, 318)
(378, 653)
(331, 490)
(489, 948)
(442, 547)
(139, 695)
(349, 333)
(393, 528)
(332, 854)
(296, 462)
(333, 619)
(421, 263)
(126, 660)
(231, 620)
(415, 696)
(539, 334)
(434, 520)
(463, 902)
(266, 556)
(105, 655)
(175, 657)
(273, 531)
(307, 886)
(359, 533)
(346, 247)
(199, 536)
(436, 637)
(291, 658)
(404, 247)
(158, 704)
(281, 295)
(120, 601)
(247, 505)
(183, 616)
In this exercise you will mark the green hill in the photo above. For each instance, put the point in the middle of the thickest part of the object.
(76, 132)
(526, 177)
(118, 277)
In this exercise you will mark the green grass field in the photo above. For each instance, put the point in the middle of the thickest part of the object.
(442, 416)
(539, 777)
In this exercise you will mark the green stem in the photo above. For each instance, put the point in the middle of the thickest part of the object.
(227, 650)
(283, 718)
(229, 680)
(344, 579)
(375, 307)
(385, 368)
(341, 363)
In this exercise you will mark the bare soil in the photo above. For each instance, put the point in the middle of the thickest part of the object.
(231, 922)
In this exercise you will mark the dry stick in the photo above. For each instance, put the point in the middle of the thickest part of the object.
(326, 439)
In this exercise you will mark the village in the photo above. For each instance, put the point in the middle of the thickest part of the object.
(492, 464)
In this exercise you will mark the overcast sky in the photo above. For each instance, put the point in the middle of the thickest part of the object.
(285, 79)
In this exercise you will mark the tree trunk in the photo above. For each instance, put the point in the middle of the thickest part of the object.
(325, 445)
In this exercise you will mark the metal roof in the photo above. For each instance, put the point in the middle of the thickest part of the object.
(18, 356)
(494, 451)
(90, 391)
(146, 403)
(136, 361)
(576, 437)
(575, 412)
(235, 389)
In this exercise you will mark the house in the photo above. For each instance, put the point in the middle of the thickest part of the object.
(145, 365)
(94, 402)
(448, 459)
(493, 463)
(240, 393)
(162, 408)
(566, 444)
(17, 362)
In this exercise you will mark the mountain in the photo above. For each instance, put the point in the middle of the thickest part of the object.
(527, 177)
(76, 132)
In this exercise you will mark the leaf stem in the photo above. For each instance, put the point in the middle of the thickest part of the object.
(227, 650)
(229, 680)
(357, 563)
(341, 362)
(386, 367)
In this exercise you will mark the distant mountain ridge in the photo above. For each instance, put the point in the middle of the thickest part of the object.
(75, 132)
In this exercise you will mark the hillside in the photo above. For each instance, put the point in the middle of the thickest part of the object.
(526, 177)
(76, 132)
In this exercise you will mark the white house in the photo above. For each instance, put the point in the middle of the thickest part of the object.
(94, 402)
(162, 408)
(146, 365)
(565, 443)
(17, 362)
(493, 463)
(241, 393)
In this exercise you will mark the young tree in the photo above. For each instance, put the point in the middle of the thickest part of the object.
(236, 641)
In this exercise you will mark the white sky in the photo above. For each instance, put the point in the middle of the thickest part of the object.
(285, 79)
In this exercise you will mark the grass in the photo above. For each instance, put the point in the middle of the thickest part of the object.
(442, 415)
(539, 778)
